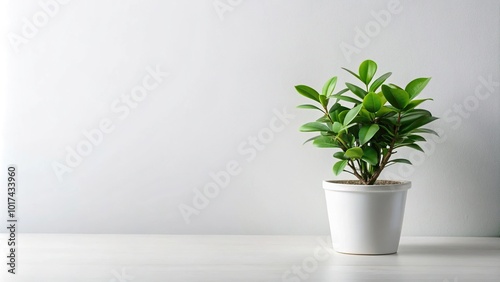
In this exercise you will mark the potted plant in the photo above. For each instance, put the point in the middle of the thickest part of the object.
(367, 124)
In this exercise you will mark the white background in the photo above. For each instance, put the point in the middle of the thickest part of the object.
(230, 69)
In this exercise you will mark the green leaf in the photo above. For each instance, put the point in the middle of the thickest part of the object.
(358, 91)
(344, 128)
(383, 100)
(352, 114)
(334, 107)
(366, 115)
(308, 92)
(367, 132)
(329, 86)
(312, 139)
(354, 153)
(415, 146)
(387, 130)
(308, 106)
(372, 102)
(325, 142)
(395, 86)
(398, 98)
(323, 101)
(416, 138)
(417, 123)
(417, 112)
(416, 86)
(336, 127)
(339, 155)
(342, 91)
(370, 156)
(425, 130)
(353, 73)
(401, 161)
(385, 111)
(339, 166)
(347, 99)
(413, 115)
(415, 103)
(379, 81)
(323, 119)
(314, 126)
(341, 115)
(367, 70)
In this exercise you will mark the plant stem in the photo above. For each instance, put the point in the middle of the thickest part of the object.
(355, 172)
(387, 157)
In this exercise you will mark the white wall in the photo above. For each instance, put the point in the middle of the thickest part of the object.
(231, 69)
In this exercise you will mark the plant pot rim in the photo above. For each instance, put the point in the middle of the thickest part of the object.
(342, 186)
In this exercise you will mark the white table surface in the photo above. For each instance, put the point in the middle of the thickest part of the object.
(144, 258)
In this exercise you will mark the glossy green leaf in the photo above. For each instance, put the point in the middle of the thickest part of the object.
(352, 114)
(395, 86)
(342, 114)
(350, 140)
(325, 142)
(421, 121)
(413, 115)
(383, 100)
(334, 107)
(386, 130)
(425, 130)
(329, 86)
(401, 161)
(323, 100)
(336, 127)
(323, 119)
(339, 155)
(353, 73)
(372, 102)
(415, 146)
(416, 86)
(308, 106)
(379, 81)
(339, 166)
(367, 70)
(385, 111)
(312, 139)
(398, 98)
(413, 104)
(358, 91)
(347, 99)
(367, 132)
(416, 138)
(342, 91)
(365, 114)
(344, 128)
(417, 112)
(370, 156)
(308, 92)
(314, 126)
(354, 153)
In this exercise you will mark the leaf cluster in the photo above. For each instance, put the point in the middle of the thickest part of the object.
(367, 122)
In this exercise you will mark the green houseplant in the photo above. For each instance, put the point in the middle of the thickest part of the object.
(367, 122)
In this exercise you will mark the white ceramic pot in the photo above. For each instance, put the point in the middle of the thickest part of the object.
(365, 219)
